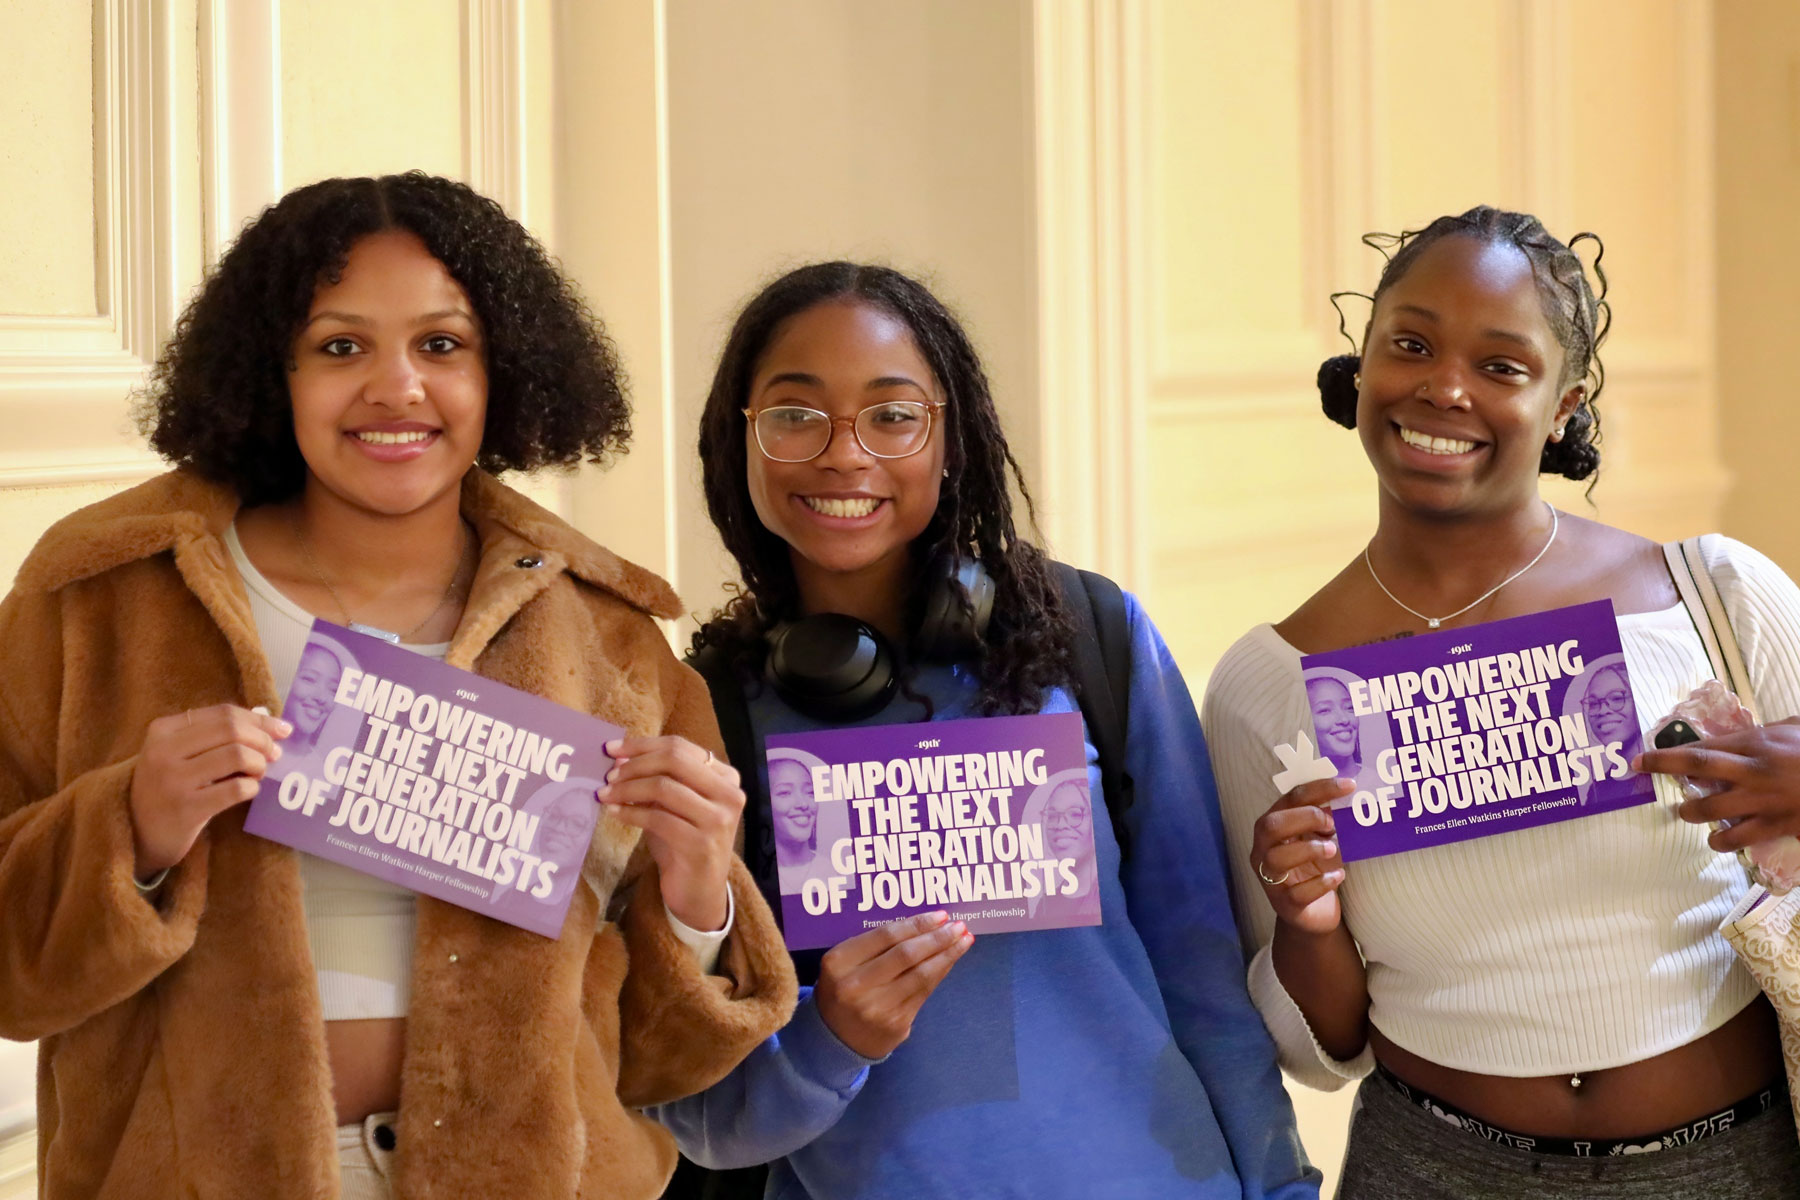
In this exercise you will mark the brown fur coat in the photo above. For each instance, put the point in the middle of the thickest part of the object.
(182, 1049)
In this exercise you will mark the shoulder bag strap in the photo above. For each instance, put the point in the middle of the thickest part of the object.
(1700, 595)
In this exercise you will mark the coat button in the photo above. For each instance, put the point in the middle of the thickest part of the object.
(529, 562)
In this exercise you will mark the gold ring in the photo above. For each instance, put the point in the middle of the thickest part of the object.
(1272, 882)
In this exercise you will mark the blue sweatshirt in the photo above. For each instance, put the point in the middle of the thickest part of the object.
(1122, 1060)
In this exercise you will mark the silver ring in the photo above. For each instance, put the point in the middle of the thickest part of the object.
(1272, 882)
(711, 758)
(189, 714)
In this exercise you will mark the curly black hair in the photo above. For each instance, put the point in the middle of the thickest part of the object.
(1026, 647)
(1578, 316)
(217, 400)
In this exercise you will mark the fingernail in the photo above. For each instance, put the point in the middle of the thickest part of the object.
(275, 752)
(938, 918)
(612, 748)
(283, 728)
(600, 793)
(261, 709)
(612, 774)
(960, 928)
(968, 939)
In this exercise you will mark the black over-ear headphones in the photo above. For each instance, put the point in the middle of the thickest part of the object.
(833, 667)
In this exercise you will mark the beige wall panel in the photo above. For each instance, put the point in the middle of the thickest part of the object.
(808, 129)
(47, 158)
(1227, 178)
(1445, 111)
(1261, 499)
(371, 88)
(1631, 162)
(29, 511)
(1758, 122)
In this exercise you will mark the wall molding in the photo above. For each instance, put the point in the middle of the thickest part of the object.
(495, 137)
(62, 379)
(240, 115)
(1089, 64)
(18, 1165)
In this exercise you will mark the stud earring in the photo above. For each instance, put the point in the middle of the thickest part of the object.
(1356, 381)
(1556, 435)
(946, 472)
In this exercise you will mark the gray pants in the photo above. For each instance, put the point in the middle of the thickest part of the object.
(1398, 1150)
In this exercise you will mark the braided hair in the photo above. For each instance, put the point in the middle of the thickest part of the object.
(1578, 317)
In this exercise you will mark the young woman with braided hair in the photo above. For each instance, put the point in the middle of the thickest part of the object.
(1529, 1013)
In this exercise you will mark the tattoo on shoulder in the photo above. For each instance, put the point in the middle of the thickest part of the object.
(1387, 637)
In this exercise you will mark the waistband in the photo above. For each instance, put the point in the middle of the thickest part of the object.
(1725, 1119)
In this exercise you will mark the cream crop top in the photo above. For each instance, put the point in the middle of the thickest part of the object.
(1570, 947)
(361, 928)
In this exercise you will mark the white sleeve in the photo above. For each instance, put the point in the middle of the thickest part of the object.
(1254, 702)
(704, 946)
(1764, 607)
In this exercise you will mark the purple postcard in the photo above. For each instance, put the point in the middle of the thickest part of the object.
(435, 779)
(1464, 733)
(988, 819)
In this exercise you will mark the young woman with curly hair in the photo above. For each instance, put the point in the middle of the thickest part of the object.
(851, 451)
(222, 1016)
(1549, 1011)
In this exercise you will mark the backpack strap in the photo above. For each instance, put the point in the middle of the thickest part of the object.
(1101, 657)
(1700, 595)
(744, 749)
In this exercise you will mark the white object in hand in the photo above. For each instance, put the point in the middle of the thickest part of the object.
(1302, 763)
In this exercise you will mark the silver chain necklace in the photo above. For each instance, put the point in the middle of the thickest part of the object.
(1434, 622)
(451, 591)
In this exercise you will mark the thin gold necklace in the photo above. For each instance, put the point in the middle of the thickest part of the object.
(1434, 622)
(451, 590)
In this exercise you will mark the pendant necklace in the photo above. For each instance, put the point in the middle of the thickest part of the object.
(451, 591)
(1434, 622)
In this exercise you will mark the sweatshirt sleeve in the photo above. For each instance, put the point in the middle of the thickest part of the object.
(789, 1091)
(686, 1028)
(78, 936)
(1254, 702)
(1180, 903)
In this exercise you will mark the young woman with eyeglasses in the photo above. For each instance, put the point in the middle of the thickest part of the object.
(851, 448)
(1549, 1011)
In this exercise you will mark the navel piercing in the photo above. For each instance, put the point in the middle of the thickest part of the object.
(1574, 1081)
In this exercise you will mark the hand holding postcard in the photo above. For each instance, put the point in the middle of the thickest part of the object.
(989, 819)
(435, 779)
(1463, 733)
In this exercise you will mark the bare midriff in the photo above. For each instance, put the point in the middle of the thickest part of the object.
(365, 1066)
(1737, 1060)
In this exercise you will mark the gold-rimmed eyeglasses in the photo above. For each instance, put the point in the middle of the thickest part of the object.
(792, 433)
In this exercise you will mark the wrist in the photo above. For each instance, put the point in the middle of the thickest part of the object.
(702, 916)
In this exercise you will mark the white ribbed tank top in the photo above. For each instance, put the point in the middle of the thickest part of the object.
(1576, 946)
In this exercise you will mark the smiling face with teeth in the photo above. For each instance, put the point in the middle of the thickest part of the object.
(1462, 380)
(848, 517)
(388, 381)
